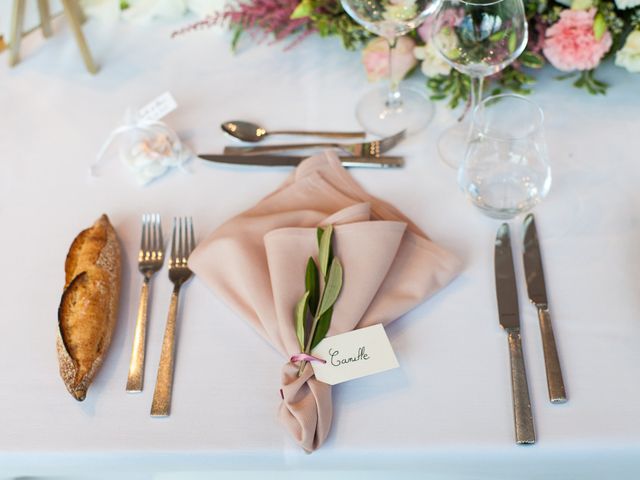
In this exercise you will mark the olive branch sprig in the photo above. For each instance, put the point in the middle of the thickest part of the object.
(314, 310)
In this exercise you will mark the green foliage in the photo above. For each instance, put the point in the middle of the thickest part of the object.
(455, 86)
(587, 81)
(300, 314)
(329, 19)
(318, 298)
(516, 80)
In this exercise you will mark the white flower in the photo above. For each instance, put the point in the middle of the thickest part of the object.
(432, 63)
(629, 55)
(622, 4)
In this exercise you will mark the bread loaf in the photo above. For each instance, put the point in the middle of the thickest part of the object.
(89, 306)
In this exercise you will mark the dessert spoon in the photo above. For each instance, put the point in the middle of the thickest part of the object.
(250, 132)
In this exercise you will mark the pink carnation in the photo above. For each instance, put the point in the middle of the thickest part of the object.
(570, 43)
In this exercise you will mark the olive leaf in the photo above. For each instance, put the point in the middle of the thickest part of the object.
(513, 39)
(322, 328)
(301, 309)
(312, 285)
(599, 26)
(325, 249)
(499, 35)
(332, 287)
(304, 9)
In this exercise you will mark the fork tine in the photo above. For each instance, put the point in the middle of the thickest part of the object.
(393, 139)
(181, 241)
(192, 243)
(173, 241)
(153, 235)
(143, 234)
(160, 241)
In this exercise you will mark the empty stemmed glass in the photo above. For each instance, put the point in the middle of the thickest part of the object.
(477, 38)
(387, 111)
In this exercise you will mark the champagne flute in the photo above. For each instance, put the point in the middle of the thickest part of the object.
(390, 110)
(477, 38)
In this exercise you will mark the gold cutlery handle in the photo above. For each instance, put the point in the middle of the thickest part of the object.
(161, 404)
(136, 365)
(279, 148)
(555, 382)
(522, 415)
(313, 133)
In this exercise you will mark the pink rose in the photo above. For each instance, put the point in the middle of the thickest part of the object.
(375, 58)
(570, 43)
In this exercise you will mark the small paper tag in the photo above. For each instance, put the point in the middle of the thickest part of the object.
(158, 108)
(353, 355)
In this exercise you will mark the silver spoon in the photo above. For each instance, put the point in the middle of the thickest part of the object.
(250, 132)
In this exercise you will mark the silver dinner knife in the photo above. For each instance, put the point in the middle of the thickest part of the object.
(292, 161)
(508, 310)
(538, 296)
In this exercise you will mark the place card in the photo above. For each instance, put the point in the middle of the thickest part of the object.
(353, 355)
(158, 108)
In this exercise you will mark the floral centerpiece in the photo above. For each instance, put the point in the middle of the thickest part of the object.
(573, 36)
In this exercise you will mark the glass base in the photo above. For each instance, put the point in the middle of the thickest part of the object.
(452, 144)
(412, 115)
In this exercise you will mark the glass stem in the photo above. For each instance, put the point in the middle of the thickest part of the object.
(394, 100)
(476, 92)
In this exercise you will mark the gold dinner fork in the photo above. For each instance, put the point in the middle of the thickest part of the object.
(366, 149)
(150, 260)
(182, 244)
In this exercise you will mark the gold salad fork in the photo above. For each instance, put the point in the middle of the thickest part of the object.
(150, 260)
(182, 244)
(367, 149)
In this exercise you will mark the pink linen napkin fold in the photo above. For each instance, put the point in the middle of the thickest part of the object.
(256, 262)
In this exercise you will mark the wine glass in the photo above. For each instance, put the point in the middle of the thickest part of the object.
(389, 110)
(477, 38)
(506, 170)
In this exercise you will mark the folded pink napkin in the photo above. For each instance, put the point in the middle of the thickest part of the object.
(256, 262)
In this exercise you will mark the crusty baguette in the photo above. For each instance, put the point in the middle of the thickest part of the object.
(89, 306)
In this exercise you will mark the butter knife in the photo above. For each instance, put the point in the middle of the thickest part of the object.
(538, 296)
(509, 313)
(292, 161)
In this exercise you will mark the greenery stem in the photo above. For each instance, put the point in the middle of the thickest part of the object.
(312, 332)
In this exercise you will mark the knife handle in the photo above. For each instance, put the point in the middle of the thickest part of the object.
(523, 418)
(555, 383)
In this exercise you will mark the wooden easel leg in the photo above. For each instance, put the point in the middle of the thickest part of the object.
(45, 17)
(71, 14)
(79, 12)
(17, 21)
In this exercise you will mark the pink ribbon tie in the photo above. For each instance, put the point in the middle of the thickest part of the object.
(299, 357)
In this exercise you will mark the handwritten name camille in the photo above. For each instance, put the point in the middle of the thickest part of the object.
(337, 361)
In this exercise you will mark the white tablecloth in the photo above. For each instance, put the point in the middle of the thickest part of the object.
(445, 413)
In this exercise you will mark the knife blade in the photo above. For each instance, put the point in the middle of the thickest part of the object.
(537, 291)
(509, 315)
(292, 161)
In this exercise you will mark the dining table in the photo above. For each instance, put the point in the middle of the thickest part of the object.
(446, 412)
